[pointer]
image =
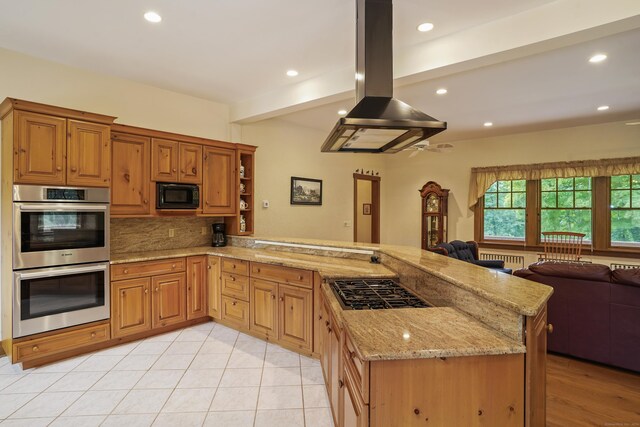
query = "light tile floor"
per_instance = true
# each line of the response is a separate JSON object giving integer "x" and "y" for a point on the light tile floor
{"x": 207, "y": 375}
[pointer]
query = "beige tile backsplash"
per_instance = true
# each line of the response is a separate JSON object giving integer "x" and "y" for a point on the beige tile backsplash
{"x": 143, "y": 234}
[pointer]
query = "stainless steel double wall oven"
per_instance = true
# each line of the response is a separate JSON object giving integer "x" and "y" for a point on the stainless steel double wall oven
{"x": 60, "y": 257}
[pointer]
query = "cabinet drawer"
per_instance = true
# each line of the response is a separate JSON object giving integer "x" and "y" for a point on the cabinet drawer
{"x": 52, "y": 344}
{"x": 235, "y": 286}
{"x": 235, "y": 266}
{"x": 358, "y": 368}
{"x": 292, "y": 276}
{"x": 235, "y": 311}
{"x": 147, "y": 268}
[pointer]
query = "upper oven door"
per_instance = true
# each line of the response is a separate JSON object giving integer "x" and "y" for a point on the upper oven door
{"x": 48, "y": 234}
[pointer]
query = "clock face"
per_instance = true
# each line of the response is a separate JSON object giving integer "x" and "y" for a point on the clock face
{"x": 433, "y": 204}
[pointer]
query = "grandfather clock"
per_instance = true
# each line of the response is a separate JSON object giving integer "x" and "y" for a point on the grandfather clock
{"x": 434, "y": 214}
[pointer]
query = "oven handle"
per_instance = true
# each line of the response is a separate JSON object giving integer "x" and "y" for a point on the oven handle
{"x": 60, "y": 272}
{"x": 49, "y": 208}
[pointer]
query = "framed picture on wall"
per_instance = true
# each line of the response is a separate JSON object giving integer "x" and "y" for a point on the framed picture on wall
{"x": 366, "y": 209}
{"x": 306, "y": 191}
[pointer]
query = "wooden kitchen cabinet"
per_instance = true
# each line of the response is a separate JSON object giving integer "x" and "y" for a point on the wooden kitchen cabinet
{"x": 235, "y": 312}
{"x": 88, "y": 154}
{"x": 190, "y": 170}
{"x": 536, "y": 369}
{"x": 168, "y": 299}
{"x": 130, "y": 175}
{"x": 39, "y": 149}
{"x": 335, "y": 369}
{"x": 295, "y": 309}
{"x": 164, "y": 160}
{"x": 355, "y": 413}
{"x": 264, "y": 308}
{"x": 196, "y": 287}
{"x": 219, "y": 192}
{"x": 130, "y": 307}
{"x": 213, "y": 285}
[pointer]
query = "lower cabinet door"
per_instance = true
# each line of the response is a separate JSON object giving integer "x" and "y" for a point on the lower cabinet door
{"x": 213, "y": 285}
{"x": 235, "y": 311}
{"x": 264, "y": 308}
{"x": 169, "y": 305}
{"x": 354, "y": 412}
{"x": 295, "y": 316}
{"x": 196, "y": 287}
{"x": 130, "y": 307}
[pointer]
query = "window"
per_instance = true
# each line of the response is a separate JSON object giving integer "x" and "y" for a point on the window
{"x": 625, "y": 210}
{"x": 565, "y": 205}
{"x": 505, "y": 205}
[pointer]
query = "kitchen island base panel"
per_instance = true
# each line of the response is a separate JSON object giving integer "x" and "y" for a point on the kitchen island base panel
{"x": 460, "y": 391}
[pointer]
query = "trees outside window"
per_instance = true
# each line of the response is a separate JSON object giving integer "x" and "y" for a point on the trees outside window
{"x": 504, "y": 210}
{"x": 566, "y": 205}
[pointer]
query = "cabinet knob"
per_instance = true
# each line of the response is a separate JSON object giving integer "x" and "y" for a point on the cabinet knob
{"x": 340, "y": 383}
{"x": 145, "y": 201}
{"x": 93, "y": 334}
{"x": 194, "y": 171}
{"x": 273, "y": 297}
{"x": 208, "y": 267}
{"x": 281, "y": 299}
{"x": 73, "y": 169}
{"x": 59, "y": 168}
{"x": 550, "y": 328}
{"x": 126, "y": 271}
{"x": 173, "y": 266}
{"x": 146, "y": 291}
{"x": 299, "y": 277}
{"x": 258, "y": 270}
{"x": 157, "y": 289}
{"x": 233, "y": 279}
{"x": 174, "y": 170}
{"x": 233, "y": 265}
{"x": 35, "y": 348}
{"x": 234, "y": 303}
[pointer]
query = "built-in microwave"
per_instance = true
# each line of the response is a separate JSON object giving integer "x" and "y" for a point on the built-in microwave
{"x": 177, "y": 196}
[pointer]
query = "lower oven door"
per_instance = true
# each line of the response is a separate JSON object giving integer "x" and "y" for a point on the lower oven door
{"x": 46, "y": 299}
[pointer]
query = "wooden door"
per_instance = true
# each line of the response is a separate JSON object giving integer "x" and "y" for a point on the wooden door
{"x": 164, "y": 160}
{"x": 213, "y": 283}
{"x": 219, "y": 193}
{"x": 295, "y": 316}
{"x": 335, "y": 369}
{"x": 88, "y": 154}
{"x": 130, "y": 176}
{"x": 39, "y": 149}
{"x": 354, "y": 411}
{"x": 130, "y": 307}
{"x": 169, "y": 305}
{"x": 325, "y": 344}
{"x": 235, "y": 312}
{"x": 190, "y": 163}
{"x": 536, "y": 370}
{"x": 196, "y": 287}
{"x": 264, "y": 308}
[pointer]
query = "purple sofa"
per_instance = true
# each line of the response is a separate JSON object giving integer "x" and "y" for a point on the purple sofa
{"x": 595, "y": 312}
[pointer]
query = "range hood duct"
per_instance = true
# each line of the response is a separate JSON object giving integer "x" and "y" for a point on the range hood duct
{"x": 379, "y": 122}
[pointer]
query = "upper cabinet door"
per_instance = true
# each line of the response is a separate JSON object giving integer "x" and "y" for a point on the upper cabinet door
{"x": 130, "y": 181}
{"x": 219, "y": 181}
{"x": 39, "y": 149}
{"x": 190, "y": 163}
{"x": 164, "y": 160}
{"x": 88, "y": 154}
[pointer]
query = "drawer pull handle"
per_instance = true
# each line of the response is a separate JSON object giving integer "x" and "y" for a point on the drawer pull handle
{"x": 145, "y": 201}
{"x": 281, "y": 299}
{"x": 233, "y": 279}
{"x": 74, "y": 169}
{"x": 59, "y": 168}
{"x": 234, "y": 303}
{"x": 173, "y": 266}
{"x": 93, "y": 334}
{"x": 35, "y": 348}
{"x": 157, "y": 289}
{"x": 299, "y": 277}
{"x": 126, "y": 271}
{"x": 208, "y": 267}
{"x": 273, "y": 297}
{"x": 174, "y": 169}
{"x": 340, "y": 383}
{"x": 550, "y": 328}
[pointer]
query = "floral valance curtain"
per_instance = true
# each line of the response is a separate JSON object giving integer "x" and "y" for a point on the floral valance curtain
{"x": 482, "y": 178}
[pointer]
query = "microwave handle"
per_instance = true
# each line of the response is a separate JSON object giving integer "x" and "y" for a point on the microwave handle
{"x": 50, "y": 208}
{"x": 59, "y": 272}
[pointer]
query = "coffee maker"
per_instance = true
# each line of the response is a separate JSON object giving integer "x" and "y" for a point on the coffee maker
{"x": 219, "y": 235}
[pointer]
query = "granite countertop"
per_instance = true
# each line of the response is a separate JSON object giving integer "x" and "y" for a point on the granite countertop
{"x": 419, "y": 333}
{"x": 328, "y": 267}
{"x": 517, "y": 294}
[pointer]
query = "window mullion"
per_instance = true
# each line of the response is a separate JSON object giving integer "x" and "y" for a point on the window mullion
{"x": 532, "y": 217}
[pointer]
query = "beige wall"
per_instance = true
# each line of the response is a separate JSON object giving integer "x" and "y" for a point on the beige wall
{"x": 137, "y": 104}
{"x": 287, "y": 150}
{"x": 363, "y": 225}
{"x": 453, "y": 170}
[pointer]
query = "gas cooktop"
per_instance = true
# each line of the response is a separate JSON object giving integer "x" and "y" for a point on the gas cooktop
{"x": 374, "y": 294}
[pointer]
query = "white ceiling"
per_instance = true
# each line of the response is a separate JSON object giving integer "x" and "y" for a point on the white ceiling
{"x": 237, "y": 52}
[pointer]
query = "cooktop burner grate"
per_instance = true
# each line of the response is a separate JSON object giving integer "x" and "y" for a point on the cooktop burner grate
{"x": 374, "y": 294}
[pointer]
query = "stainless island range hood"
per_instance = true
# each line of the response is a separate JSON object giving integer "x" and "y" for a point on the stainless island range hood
{"x": 378, "y": 123}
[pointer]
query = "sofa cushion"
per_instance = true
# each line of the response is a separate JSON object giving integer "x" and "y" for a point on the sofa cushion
{"x": 595, "y": 272}
{"x": 451, "y": 251}
{"x": 463, "y": 250}
{"x": 626, "y": 276}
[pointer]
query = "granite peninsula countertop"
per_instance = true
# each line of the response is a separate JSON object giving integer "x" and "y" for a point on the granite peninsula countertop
{"x": 419, "y": 333}
{"x": 328, "y": 267}
{"x": 514, "y": 293}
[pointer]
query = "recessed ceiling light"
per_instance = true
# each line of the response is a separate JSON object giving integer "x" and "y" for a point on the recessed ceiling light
{"x": 152, "y": 16}
{"x": 427, "y": 26}
{"x": 292, "y": 73}
{"x": 441, "y": 91}
{"x": 342, "y": 112}
{"x": 488, "y": 124}
{"x": 603, "y": 108}
{"x": 598, "y": 58}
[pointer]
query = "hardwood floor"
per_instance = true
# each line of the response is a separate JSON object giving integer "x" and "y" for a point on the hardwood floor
{"x": 586, "y": 394}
